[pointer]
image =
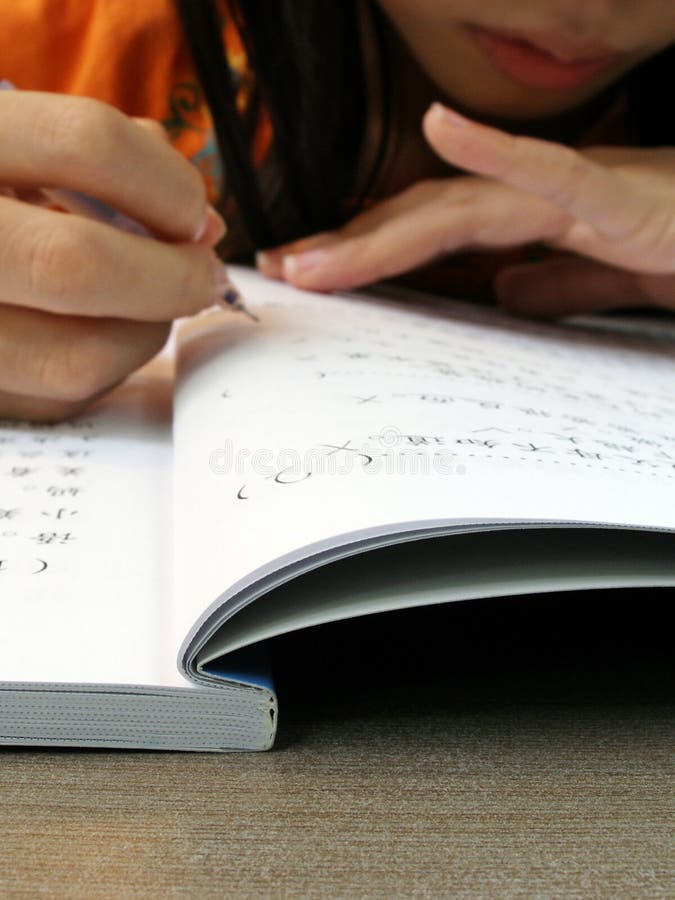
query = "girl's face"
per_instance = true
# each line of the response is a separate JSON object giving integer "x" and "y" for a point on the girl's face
{"x": 530, "y": 58}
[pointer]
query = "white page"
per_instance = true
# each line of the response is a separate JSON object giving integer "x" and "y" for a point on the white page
{"x": 341, "y": 415}
{"x": 85, "y": 576}
{"x": 453, "y": 568}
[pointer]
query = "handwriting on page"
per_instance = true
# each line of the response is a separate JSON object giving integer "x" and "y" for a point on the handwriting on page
{"x": 345, "y": 458}
{"x": 450, "y": 389}
{"x": 43, "y": 478}
{"x": 341, "y": 420}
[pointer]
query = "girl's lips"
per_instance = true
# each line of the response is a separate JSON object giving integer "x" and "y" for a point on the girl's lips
{"x": 548, "y": 62}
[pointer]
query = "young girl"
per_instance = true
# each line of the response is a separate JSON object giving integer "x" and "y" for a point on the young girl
{"x": 330, "y": 137}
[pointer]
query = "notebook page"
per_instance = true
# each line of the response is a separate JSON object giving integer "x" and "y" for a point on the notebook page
{"x": 340, "y": 415}
{"x": 85, "y": 541}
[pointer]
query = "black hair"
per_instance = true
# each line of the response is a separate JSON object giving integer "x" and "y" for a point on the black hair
{"x": 306, "y": 55}
{"x": 307, "y": 60}
{"x": 651, "y": 96}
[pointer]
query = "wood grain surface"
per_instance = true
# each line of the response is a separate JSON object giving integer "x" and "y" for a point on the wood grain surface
{"x": 519, "y": 751}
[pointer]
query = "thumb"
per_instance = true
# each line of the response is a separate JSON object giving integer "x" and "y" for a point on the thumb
{"x": 567, "y": 286}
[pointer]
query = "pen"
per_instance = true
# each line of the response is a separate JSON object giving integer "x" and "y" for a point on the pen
{"x": 84, "y": 205}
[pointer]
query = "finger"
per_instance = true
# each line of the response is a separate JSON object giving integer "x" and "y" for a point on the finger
{"x": 654, "y": 253}
{"x": 70, "y": 360}
{"x": 567, "y": 286}
{"x": 270, "y": 261}
{"x": 659, "y": 288}
{"x": 428, "y": 220}
{"x": 215, "y": 228}
{"x": 397, "y": 235}
{"x": 652, "y": 159}
{"x": 37, "y": 409}
{"x": 599, "y": 196}
{"x": 153, "y": 127}
{"x": 85, "y": 145}
{"x": 75, "y": 266}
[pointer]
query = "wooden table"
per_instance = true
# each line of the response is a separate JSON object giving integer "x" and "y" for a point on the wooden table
{"x": 524, "y": 751}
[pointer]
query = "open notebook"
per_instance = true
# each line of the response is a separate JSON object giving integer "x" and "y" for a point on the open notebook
{"x": 348, "y": 455}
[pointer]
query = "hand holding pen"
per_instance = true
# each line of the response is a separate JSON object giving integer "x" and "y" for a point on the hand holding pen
{"x": 83, "y": 304}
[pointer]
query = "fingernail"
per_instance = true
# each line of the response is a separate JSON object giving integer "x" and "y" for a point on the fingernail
{"x": 267, "y": 264}
{"x": 299, "y": 263}
{"x": 212, "y": 228}
{"x": 216, "y": 227}
{"x": 449, "y": 116}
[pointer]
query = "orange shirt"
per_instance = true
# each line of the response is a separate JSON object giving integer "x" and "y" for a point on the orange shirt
{"x": 132, "y": 55}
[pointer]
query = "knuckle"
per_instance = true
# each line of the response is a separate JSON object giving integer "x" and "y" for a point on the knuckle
{"x": 73, "y": 371}
{"x": 460, "y": 192}
{"x": 516, "y": 154}
{"x": 458, "y": 206}
{"x": 58, "y": 264}
{"x": 426, "y": 189}
{"x": 81, "y": 132}
{"x": 571, "y": 161}
{"x": 573, "y": 169}
{"x": 654, "y": 230}
{"x": 425, "y": 194}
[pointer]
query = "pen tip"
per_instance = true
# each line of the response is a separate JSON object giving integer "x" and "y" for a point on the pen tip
{"x": 232, "y": 300}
